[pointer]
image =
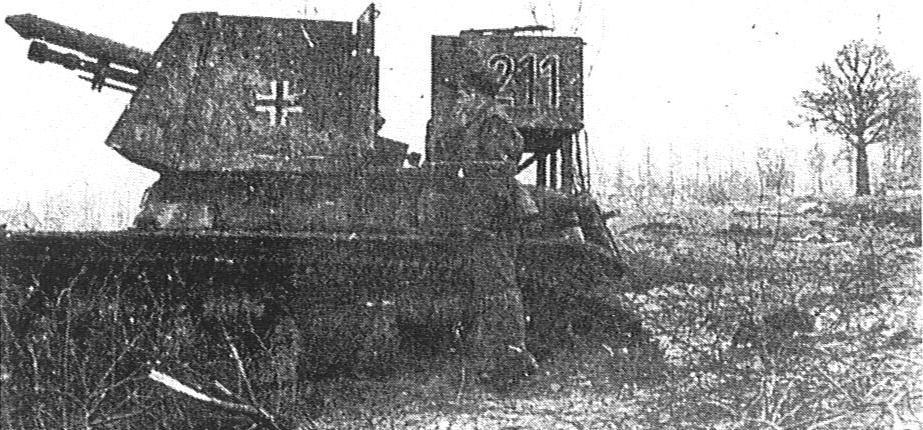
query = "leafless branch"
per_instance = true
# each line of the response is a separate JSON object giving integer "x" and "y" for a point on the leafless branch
{"x": 241, "y": 373}
{"x": 258, "y": 415}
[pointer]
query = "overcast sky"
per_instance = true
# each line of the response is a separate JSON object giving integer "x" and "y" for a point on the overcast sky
{"x": 704, "y": 77}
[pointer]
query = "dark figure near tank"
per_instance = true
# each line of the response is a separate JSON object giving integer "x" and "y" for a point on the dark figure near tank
{"x": 276, "y": 186}
{"x": 482, "y": 128}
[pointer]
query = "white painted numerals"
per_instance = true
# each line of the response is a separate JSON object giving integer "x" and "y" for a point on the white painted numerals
{"x": 528, "y": 81}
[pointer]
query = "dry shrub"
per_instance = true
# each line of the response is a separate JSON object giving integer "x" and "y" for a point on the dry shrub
{"x": 857, "y": 367}
{"x": 78, "y": 356}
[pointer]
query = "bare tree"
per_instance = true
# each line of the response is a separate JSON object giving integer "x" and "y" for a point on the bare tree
{"x": 774, "y": 174}
{"x": 861, "y": 100}
{"x": 902, "y": 149}
{"x": 817, "y": 158}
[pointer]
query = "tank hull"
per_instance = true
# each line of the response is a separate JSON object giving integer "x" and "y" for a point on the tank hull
{"x": 359, "y": 303}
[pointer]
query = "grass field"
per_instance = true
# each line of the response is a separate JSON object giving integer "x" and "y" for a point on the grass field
{"x": 704, "y": 273}
{"x": 707, "y": 282}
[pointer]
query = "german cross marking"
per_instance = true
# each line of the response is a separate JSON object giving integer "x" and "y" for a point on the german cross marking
{"x": 278, "y": 103}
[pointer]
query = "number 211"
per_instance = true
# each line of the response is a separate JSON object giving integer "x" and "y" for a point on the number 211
{"x": 534, "y": 70}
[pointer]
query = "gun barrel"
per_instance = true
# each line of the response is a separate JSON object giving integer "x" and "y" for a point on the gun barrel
{"x": 40, "y": 53}
{"x": 32, "y": 27}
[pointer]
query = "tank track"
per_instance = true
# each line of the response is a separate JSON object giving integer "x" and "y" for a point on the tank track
{"x": 359, "y": 301}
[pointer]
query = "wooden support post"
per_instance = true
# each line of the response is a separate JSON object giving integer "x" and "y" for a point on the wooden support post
{"x": 541, "y": 170}
{"x": 578, "y": 158}
{"x": 567, "y": 165}
{"x": 553, "y": 169}
{"x": 525, "y": 164}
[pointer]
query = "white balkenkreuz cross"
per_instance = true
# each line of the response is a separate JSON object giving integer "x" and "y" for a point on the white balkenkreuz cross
{"x": 278, "y": 103}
